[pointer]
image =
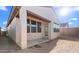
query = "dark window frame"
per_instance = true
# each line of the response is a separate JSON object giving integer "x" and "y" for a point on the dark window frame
{"x": 33, "y": 26}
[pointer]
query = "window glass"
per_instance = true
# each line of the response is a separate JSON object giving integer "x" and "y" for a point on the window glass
{"x": 28, "y": 21}
{"x": 56, "y": 27}
{"x": 33, "y": 26}
{"x": 28, "y": 25}
{"x": 39, "y": 26}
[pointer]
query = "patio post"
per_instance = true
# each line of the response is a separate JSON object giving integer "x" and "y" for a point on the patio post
{"x": 23, "y": 24}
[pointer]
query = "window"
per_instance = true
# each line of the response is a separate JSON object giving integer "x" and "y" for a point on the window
{"x": 28, "y": 21}
{"x": 38, "y": 26}
{"x": 56, "y": 27}
{"x": 28, "y": 25}
{"x": 33, "y": 26}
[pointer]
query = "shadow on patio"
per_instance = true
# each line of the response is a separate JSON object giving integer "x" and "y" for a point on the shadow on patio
{"x": 41, "y": 48}
{"x": 6, "y": 44}
{"x": 70, "y": 38}
{"x": 62, "y": 44}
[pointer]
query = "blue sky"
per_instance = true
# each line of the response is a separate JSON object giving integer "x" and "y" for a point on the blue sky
{"x": 4, "y": 14}
{"x": 64, "y": 13}
{"x": 68, "y": 14}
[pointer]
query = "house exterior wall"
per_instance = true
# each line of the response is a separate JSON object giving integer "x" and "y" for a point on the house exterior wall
{"x": 18, "y": 28}
{"x": 23, "y": 28}
{"x": 36, "y": 35}
{"x": 50, "y": 15}
{"x": 18, "y": 32}
{"x": 12, "y": 29}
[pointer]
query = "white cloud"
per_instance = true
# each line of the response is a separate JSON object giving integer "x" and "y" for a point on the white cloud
{"x": 76, "y": 8}
{"x": 5, "y": 22}
{"x": 3, "y": 29}
{"x": 70, "y": 23}
{"x": 74, "y": 19}
{"x": 3, "y": 8}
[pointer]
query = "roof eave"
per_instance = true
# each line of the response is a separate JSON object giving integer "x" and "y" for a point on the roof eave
{"x": 12, "y": 14}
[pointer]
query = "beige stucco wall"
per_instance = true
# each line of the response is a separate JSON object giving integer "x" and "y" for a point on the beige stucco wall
{"x": 12, "y": 29}
{"x": 43, "y": 11}
{"x": 48, "y": 13}
{"x": 18, "y": 32}
{"x": 18, "y": 28}
{"x": 23, "y": 28}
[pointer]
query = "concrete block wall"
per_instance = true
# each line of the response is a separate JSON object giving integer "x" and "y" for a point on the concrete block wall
{"x": 69, "y": 31}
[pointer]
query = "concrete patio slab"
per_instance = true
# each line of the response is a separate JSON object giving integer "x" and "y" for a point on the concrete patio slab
{"x": 64, "y": 44}
{"x": 7, "y": 44}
